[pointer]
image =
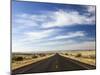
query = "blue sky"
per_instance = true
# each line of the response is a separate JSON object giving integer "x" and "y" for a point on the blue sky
{"x": 48, "y": 26}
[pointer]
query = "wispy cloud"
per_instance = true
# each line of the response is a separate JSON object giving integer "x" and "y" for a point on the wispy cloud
{"x": 39, "y": 35}
{"x": 50, "y": 31}
{"x": 58, "y": 18}
{"x": 64, "y": 18}
{"x": 71, "y": 35}
{"x": 91, "y": 9}
{"x": 50, "y": 46}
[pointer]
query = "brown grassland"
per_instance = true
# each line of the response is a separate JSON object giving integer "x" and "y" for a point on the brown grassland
{"x": 85, "y": 56}
{"x": 22, "y": 59}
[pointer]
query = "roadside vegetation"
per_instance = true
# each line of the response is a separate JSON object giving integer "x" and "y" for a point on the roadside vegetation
{"x": 22, "y": 59}
{"x": 86, "y": 56}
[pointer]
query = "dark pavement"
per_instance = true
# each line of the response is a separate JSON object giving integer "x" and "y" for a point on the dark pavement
{"x": 55, "y": 63}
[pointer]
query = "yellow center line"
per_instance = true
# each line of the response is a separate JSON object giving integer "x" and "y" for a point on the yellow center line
{"x": 56, "y": 66}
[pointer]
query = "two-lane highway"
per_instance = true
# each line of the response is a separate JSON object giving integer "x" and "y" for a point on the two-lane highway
{"x": 53, "y": 64}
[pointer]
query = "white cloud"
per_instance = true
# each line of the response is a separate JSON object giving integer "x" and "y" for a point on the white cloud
{"x": 58, "y": 45}
{"x": 32, "y": 40}
{"x": 71, "y": 35}
{"x": 91, "y": 9}
{"x": 58, "y": 18}
{"x": 35, "y": 41}
{"x": 25, "y": 20}
{"x": 64, "y": 18}
{"x": 36, "y": 37}
{"x": 39, "y": 35}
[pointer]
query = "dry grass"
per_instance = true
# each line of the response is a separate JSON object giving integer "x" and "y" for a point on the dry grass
{"x": 88, "y": 56}
{"x": 20, "y": 60}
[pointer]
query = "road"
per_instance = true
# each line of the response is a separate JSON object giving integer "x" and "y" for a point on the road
{"x": 55, "y": 63}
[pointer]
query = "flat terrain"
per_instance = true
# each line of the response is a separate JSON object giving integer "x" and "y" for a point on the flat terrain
{"x": 23, "y": 59}
{"x": 85, "y": 56}
{"x": 53, "y": 64}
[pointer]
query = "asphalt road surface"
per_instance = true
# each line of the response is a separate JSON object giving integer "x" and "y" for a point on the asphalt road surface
{"x": 55, "y": 63}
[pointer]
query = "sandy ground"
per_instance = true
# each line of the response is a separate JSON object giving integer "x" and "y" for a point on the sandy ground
{"x": 81, "y": 59}
{"x": 71, "y": 54}
{"x": 19, "y": 64}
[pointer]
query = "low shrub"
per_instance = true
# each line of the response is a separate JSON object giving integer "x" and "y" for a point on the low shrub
{"x": 34, "y": 56}
{"x": 66, "y": 53}
{"x": 78, "y": 55}
{"x": 17, "y": 58}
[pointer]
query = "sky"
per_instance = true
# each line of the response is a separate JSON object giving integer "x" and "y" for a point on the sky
{"x": 40, "y": 27}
